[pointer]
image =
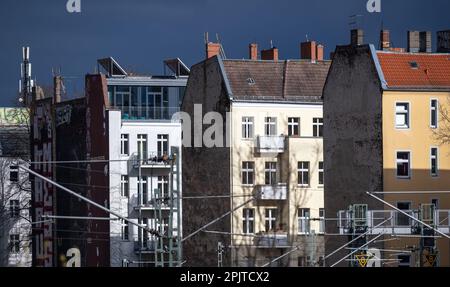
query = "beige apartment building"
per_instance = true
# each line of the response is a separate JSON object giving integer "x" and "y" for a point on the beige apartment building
{"x": 268, "y": 180}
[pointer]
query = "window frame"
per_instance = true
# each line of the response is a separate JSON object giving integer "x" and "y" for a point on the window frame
{"x": 408, "y": 116}
{"x": 270, "y": 219}
{"x": 248, "y": 219}
{"x": 248, "y": 128}
{"x": 268, "y": 125}
{"x": 14, "y": 174}
{"x": 246, "y": 170}
{"x": 14, "y": 244}
{"x": 318, "y": 127}
{"x": 321, "y": 171}
{"x": 14, "y": 208}
{"x": 305, "y": 219}
{"x": 125, "y": 144}
{"x": 125, "y": 185}
{"x": 270, "y": 173}
{"x": 162, "y": 144}
{"x": 292, "y": 125}
{"x": 124, "y": 230}
{"x": 301, "y": 170}
{"x": 322, "y": 221}
{"x": 436, "y": 109}
{"x": 409, "y": 164}
{"x": 436, "y": 158}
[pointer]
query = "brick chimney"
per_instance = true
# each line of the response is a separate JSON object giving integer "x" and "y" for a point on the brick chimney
{"x": 357, "y": 37}
{"x": 443, "y": 41}
{"x": 319, "y": 53}
{"x": 212, "y": 49}
{"x": 385, "y": 42}
{"x": 57, "y": 87}
{"x": 308, "y": 50}
{"x": 253, "y": 51}
{"x": 413, "y": 41}
{"x": 270, "y": 54}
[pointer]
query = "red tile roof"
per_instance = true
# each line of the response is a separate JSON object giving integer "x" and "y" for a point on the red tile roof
{"x": 432, "y": 72}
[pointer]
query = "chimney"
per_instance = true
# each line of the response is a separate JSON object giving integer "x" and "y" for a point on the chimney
{"x": 57, "y": 86}
{"x": 308, "y": 50}
{"x": 212, "y": 49}
{"x": 270, "y": 54}
{"x": 443, "y": 41}
{"x": 413, "y": 41}
{"x": 319, "y": 53}
{"x": 253, "y": 51}
{"x": 357, "y": 37}
{"x": 425, "y": 42}
{"x": 385, "y": 42}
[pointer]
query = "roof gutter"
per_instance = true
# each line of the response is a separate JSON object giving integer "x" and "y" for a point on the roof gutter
{"x": 376, "y": 61}
{"x": 225, "y": 77}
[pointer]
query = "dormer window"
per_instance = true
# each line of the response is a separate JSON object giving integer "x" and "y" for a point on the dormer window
{"x": 251, "y": 81}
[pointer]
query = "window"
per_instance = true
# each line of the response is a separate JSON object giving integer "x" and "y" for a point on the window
{"x": 14, "y": 208}
{"x": 404, "y": 260}
{"x": 248, "y": 173}
{"x": 163, "y": 145}
{"x": 271, "y": 173}
{"x": 163, "y": 187}
{"x": 124, "y": 229}
{"x": 14, "y": 243}
{"x": 321, "y": 173}
{"x": 142, "y": 190}
{"x": 322, "y": 221}
{"x": 434, "y": 162}
{"x": 124, "y": 149}
{"x": 14, "y": 173}
{"x": 435, "y": 202}
{"x": 403, "y": 220}
{"x": 303, "y": 221}
{"x": 402, "y": 116}
{"x": 318, "y": 127}
{"x": 294, "y": 127}
{"x": 303, "y": 173}
{"x": 271, "y": 219}
{"x": 270, "y": 126}
{"x": 142, "y": 146}
{"x": 248, "y": 220}
{"x": 247, "y": 127}
{"x": 403, "y": 165}
{"x": 124, "y": 186}
{"x": 434, "y": 114}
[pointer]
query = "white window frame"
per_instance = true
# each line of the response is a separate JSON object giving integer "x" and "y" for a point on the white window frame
{"x": 247, "y": 128}
{"x": 317, "y": 126}
{"x": 14, "y": 208}
{"x": 124, "y": 144}
{"x": 245, "y": 173}
{"x": 143, "y": 181}
{"x": 409, "y": 165}
{"x": 270, "y": 219}
{"x": 292, "y": 125}
{"x": 408, "y": 116}
{"x": 270, "y": 169}
{"x": 270, "y": 126}
{"x": 320, "y": 170}
{"x": 301, "y": 217}
{"x": 163, "y": 186}
{"x": 124, "y": 186}
{"x": 142, "y": 146}
{"x": 124, "y": 230}
{"x": 162, "y": 139}
{"x": 248, "y": 219}
{"x": 436, "y": 109}
{"x": 322, "y": 221}
{"x": 436, "y": 158}
{"x": 302, "y": 170}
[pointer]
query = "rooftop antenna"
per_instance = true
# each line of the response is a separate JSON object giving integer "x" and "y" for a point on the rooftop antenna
{"x": 307, "y": 38}
{"x": 222, "y": 51}
{"x": 271, "y": 44}
{"x": 26, "y": 83}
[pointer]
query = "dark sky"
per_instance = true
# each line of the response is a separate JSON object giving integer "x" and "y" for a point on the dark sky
{"x": 141, "y": 33}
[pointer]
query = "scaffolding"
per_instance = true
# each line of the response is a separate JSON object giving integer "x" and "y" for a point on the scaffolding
{"x": 165, "y": 209}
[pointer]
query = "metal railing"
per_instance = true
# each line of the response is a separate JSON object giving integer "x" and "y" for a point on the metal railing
{"x": 270, "y": 144}
{"x": 272, "y": 192}
{"x": 147, "y": 113}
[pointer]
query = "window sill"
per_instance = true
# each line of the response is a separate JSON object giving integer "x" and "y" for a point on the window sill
{"x": 303, "y": 185}
{"x": 248, "y": 185}
{"x": 403, "y": 177}
{"x": 402, "y": 128}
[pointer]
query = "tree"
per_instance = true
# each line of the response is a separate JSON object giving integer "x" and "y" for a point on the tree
{"x": 442, "y": 134}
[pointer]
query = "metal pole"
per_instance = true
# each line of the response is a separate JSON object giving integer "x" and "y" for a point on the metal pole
{"x": 282, "y": 256}
{"x": 89, "y": 201}
{"x": 353, "y": 252}
{"x": 78, "y": 217}
{"x": 217, "y": 219}
{"x": 406, "y": 214}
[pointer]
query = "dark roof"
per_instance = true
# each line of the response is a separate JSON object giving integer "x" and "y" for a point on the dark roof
{"x": 275, "y": 81}
{"x": 415, "y": 70}
{"x": 14, "y": 142}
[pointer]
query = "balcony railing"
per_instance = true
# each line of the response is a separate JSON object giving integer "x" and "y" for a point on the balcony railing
{"x": 398, "y": 222}
{"x": 270, "y": 144}
{"x": 272, "y": 192}
{"x": 272, "y": 240}
{"x": 152, "y": 160}
{"x": 147, "y": 113}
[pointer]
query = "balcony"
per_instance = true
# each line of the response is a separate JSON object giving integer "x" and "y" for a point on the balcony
{"x": 272, "y": 240}
{"x": 272, "y": 192}
{"x": 270, "y": 144}
{"x": 149, "y": 161}
{"x": 147, "y": 113}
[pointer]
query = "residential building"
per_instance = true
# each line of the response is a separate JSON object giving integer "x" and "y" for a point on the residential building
{"x": 15, "y": 196}
{"x": 120, "y": 132}
{"x": 268, "y": 171}
{"x": 382, "y": 112}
